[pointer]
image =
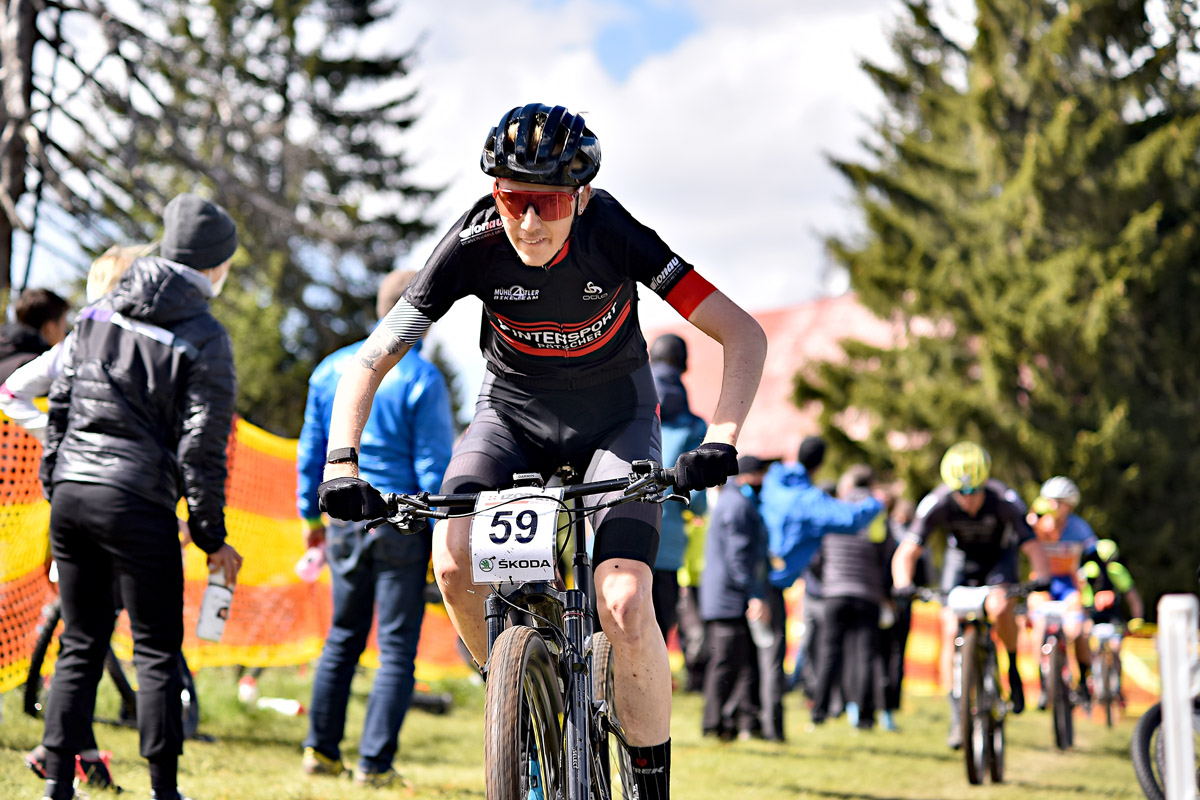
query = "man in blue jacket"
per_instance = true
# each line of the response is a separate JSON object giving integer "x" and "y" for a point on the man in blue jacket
{"x": 681, "y": 431}
{"x": 797, "y": 514}
{"x": 405, "y": 448}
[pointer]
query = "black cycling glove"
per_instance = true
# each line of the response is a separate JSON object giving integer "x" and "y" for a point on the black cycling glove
{"x": 708, "y": 465}
{"x": 1039, "y": 585}
{"x": 904, "y": 593}
{"x": 351, "y": 500}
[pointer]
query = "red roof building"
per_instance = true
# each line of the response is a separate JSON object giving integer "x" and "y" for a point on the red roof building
{"x": 796, "y": 337}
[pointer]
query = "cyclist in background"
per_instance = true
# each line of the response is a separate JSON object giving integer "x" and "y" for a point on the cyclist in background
{"x": 556, "y": 264}
{"x": 985, "y": 528}
{"x": 1105, "y": 582}
{"x": 1066, "y": 538}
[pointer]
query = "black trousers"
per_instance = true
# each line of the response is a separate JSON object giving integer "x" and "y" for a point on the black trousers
{"x": 770, "y": 662}
{"x": 665, "y": 595}
{"x": 892, "y": 642}
{"x": 98, "y": 534}
{"x": 692, "y": 637}
{"x": 730, "y": 696}
{"x": 850, "y": 632}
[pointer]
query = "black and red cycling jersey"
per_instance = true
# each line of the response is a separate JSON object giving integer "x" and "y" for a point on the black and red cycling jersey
{"x": 985, "y": 539}
{"x": 569, "y": 325}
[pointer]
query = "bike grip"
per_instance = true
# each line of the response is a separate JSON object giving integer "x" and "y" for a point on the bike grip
{"x": 668, "y": 476}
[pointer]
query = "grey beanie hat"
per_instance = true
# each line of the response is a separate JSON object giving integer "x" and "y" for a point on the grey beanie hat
{"x": 197, "y": 233}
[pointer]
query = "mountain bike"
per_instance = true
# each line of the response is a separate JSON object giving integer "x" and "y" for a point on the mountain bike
{"x": 1056, "y": 673}
{"x": 1106, "y": 667}
{"x": 976, "y": 679}
{"x": 551, "y": 728}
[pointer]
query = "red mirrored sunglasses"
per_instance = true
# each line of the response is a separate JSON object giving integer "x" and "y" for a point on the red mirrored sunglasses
{"x": 550, "y": 206}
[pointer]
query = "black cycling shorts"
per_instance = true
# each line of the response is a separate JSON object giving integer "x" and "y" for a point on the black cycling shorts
{"x": 958, "y": 570}
{"x": 598, "y": 432}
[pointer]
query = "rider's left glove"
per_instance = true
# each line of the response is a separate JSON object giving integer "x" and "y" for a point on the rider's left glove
{"x": 708, "y": 465}
{"x": 351, "y": 500}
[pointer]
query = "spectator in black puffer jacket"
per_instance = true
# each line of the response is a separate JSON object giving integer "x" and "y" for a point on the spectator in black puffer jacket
{"x": 140, "y": 415}
{"x": 855, "y": 582}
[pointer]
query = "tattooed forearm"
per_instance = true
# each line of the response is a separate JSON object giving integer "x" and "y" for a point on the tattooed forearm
{"x": 379, "y": 346}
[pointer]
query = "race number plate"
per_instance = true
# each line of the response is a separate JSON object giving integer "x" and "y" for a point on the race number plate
{"x": 513, "y": 535}
{"x": 967, "y": 600}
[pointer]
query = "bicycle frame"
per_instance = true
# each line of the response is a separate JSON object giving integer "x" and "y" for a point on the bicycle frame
{"x": 547, "y": 602}
{"x": 562, "y": 618}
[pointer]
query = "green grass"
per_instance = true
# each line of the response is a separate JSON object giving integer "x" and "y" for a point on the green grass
{"x": 256, "y": 753}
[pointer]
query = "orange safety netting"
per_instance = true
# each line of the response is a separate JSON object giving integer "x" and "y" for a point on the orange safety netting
{"x": 278, "y": 620}
{"x": 275, "y": 619}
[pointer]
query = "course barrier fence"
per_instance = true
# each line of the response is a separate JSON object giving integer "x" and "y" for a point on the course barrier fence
{"x": 278, "y": 620}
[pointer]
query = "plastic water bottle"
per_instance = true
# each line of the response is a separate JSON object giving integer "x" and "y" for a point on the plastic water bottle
{"x": 308, "y": 568}
{"x": 284, "y": 705}
{"x": 214, "y": 608}
{"x": 762, "y": 633}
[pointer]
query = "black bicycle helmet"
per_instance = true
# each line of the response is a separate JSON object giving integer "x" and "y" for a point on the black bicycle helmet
{"x": 566, "y": 153}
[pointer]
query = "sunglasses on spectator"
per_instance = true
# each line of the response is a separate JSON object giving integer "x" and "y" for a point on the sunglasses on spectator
{"x": 549, "y": 206}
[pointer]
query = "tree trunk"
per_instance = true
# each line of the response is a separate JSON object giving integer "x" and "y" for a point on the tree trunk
{"x": 18, "y": 33}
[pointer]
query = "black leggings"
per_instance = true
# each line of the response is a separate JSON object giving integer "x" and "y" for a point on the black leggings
{"x": 98, "y": 534}
{"x": 597, "y": 431}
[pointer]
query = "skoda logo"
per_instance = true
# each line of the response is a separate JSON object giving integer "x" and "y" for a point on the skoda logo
{"x": 486, "y": 564}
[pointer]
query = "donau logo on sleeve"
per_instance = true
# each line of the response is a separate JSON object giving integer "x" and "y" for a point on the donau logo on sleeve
{"x": 515, "y": 293}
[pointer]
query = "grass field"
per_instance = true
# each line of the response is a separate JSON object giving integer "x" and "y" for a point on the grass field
{"x": 256, "y": 753}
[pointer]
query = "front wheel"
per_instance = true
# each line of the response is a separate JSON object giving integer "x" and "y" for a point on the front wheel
{"x": 1143, "y": 752}
{"x": 1060, "y": 698}
{"x": 523, "y": 711}
{"x": 615, "y": 768}
{"x": 972, "y": 712}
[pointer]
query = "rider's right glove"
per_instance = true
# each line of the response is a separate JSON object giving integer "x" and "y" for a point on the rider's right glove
{"x": 351, "y": 500}
{"x": 708, "y": 465}
{"x": 1039, "y": 585}
{"x": 904, "y": 592}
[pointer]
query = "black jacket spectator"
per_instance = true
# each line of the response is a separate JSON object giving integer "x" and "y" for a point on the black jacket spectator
{"x": 128, "y": 427}
{"x": 19, "y": 344}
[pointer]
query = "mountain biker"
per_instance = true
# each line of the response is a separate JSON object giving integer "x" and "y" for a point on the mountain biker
{"x": 1105, "y": 581}
{"x": 1066, "y": 538}
{"x": 985, "y": 528}
{"x": 556, "y": 264}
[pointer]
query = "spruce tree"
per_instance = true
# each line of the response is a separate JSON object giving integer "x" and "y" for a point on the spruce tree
{"x": 278, "y": 112}
{"x": 1030, "y": 205}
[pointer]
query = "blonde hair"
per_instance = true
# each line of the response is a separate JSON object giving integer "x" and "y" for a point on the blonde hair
{"x": 110, "y": 265}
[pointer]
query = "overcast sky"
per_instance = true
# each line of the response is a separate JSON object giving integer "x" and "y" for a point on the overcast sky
{"x": 715, "y": 118}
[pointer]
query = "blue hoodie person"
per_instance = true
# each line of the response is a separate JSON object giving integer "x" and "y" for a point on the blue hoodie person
{"x": 797, "y": 514}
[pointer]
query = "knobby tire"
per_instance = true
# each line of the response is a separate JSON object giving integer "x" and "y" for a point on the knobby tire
{"x": 1060, "y": 698}
{"x": 616, "y": 770}
{"x": 1108, "y": 682}
{"x": 972, "y": 711}
{"x": 995, "y": 721}
{"x": 1142, "y": 750}
{"x": 523, "y": 712}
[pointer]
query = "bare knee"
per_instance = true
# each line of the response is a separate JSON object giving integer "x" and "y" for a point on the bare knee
{"x": 624, "y": 601}
{"x": 451, "y": 561}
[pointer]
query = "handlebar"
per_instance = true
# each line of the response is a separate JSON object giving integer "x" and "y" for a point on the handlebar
{"x": 924, "y": 593}
{"x": 644, "y": 483}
